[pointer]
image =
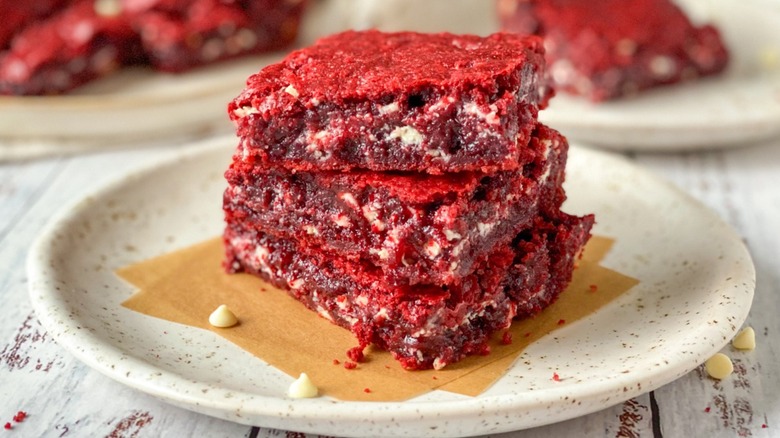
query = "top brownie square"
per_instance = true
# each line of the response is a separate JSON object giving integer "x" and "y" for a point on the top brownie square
{"x": 395, "y": 101}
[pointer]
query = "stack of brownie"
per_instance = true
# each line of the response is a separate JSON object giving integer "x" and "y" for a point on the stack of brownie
{"x": 400, "y": 186}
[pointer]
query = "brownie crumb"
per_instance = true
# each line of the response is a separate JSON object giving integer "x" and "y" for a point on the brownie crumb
{"x": 356, "y": 354}
{"x": 506, "y": 339}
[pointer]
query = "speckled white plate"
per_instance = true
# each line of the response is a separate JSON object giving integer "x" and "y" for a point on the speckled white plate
{"x": 697, "y": 283}
{"x": 736, "y": 108}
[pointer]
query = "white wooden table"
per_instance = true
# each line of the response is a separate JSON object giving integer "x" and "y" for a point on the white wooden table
{"x": 64, "y": 398}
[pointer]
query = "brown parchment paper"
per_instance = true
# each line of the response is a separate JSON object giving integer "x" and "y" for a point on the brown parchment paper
{"x": 187, "y": 285}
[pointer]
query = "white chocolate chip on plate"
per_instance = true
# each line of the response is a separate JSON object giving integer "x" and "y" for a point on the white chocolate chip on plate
{"x": 303, "y": 388}
{"x": 719, "y": 366}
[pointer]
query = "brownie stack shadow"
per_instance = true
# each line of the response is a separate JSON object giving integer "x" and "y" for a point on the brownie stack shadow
{"x": 416, "y": 204}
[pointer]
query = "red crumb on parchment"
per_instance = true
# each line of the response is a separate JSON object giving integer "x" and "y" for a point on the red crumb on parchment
{"x": 20, "y": 416}
{"x": 350, "y": 365}
{"x": 367, "y": 390}
{"x": 556, "y": 377}
{"x": 593, "y": 288}
{"x": 356, "y": 354}
{"x": 506, "y": 339}
{"x": 561, "y": 321}
{"x": 336, "y": 361}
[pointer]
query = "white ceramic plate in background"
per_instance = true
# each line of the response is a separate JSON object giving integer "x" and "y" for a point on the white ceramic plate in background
{"x": 133, "y": 106}
{"x": 737, "y": 108}
{"x": 697, "y": 283}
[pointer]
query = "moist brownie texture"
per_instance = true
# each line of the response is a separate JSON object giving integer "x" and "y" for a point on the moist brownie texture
{"x": 58, "y": 45}
{"x": 423, "y": 326}
{"x": 602, "y": 49}
{"x": 400, "y": 101}
{"x": 417, "y": 228}
{"x": 400, "y": 186}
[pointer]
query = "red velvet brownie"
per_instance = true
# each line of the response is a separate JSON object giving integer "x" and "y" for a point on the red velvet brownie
{"x": 18, "y": 14}
{"x": 602, "y": 49}
{"x": 90, "y": 38}
{"x": 67, "y": 50}
{"x": 400, "y": 101}
{"x": 177, "y": 35}
{"x": 423, "y": 326}
{"x": 417, "y": 228}
{"x": 415, "y": 203}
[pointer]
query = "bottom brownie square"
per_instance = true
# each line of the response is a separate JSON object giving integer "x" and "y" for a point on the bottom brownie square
{"x": 422, "y": 326}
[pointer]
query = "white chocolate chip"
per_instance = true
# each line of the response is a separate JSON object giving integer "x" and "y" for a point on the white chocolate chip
{"x": 662, "y": 66}
{"x": 246, "y": 39}
{"x": 349, "y": 199}
{"x": 432, "y": 249}
{"x": 222, "y": 317}
{"x": 383, "y": 254}
{"x": 452, "y": 235}
{"x": 407, "y": 134}
{"x": 485, "y": 228}
{"x": 107, "y": 8}
{"x": 745, "y": 339}
{"x": 625, "y": 47}
{"x": 389, "y": 108}
{"x": 291, "y": 91}
{"x": 245, "y": 111}
{"x": 719, "y": 366}
{"x": 212, "y": 49}
{"x": 562, "y": 71}
{"x": 342, "y": 220}
{"x": 302, "y": 388}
